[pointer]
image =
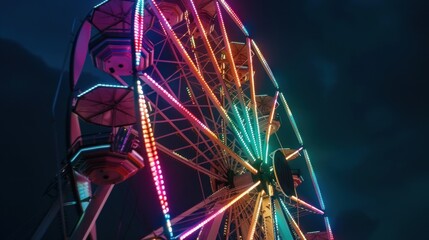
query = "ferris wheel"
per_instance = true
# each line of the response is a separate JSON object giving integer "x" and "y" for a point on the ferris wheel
{"x": 188, "y": 84}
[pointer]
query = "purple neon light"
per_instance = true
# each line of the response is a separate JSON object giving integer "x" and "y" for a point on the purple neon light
{"x": 234, "y": 17}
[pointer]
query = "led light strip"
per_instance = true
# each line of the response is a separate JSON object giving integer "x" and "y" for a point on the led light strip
{"x": 265, "y": 64}
{"x": 138, "y": 30}
{"x": 253, "y": 96}
{"x": 105, "y": 146}
{"x": 228, "y": 48}
{"x": 234, "y": 17}
{"x": 152, "y": 154}
{"x": 314, "y": 179}
{"x": 291, "y": 118}
{"x": 100, "y": 85}
{"x": 204, "y": 36}
{"x": 270, "y": 122}
{"x": 236, "y": 77}
{"x": 276, "y": 225}
{"x": 196, "y": 72}
{"x": 310, "y": 207}
{"x": 186, "y": 113}
{"x": 254, "y": 144}
{"x": 241, "y": 123}
{"x": 218, "y": 72}
{"x": 294, "y": 225}
{"x": 294, "y": 153}
{"x": 221, "y": 210}
{"x": 101, "y": 3}
{"x": 328, "y": 228}
{"x": 255, "y": 217}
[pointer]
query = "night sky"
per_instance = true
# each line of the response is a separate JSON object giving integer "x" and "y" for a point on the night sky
{"x": 354, "y": 73}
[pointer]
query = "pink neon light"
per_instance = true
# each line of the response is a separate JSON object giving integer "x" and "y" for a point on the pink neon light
{"x": 221, "y": 210}
{"x": 312, "y": 208}
{"x": 179, "y": 105}
{"x": 294, "y": 153}
{"x": 234, "y": 17}
{"x": 186, "y": 112}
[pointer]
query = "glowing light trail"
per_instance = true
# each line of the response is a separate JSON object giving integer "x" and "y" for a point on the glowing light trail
{"x": 221, "y": 210}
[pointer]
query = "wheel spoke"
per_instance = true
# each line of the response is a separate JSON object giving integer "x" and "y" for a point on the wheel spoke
{"x": 306, "y": 205}
{"x": 190, "y": 163}
{"x": 193, "y": 68}
{"x": 291, "y": 220}
{"x": 270, "y": 122}
{"x": 255, "y": 217}
{"x": 187, "y": 114}
{"x": 221, "y": 210}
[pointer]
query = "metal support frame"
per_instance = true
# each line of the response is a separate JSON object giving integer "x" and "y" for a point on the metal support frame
{"x": 89, "y": 217}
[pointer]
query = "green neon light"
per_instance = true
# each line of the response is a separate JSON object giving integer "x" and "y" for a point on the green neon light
{"x": 243, "y": 128}
{"x": 255, "y": 144}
